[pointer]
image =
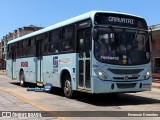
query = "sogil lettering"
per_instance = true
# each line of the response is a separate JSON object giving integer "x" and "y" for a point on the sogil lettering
{"x": 24, "y": 64}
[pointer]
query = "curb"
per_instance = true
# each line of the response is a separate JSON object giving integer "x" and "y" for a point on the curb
{"x": 155, "y": 86}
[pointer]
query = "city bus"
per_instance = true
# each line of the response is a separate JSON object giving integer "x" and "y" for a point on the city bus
{"x": 96, "y": 52}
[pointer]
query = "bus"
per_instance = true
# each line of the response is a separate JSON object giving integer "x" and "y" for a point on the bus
{"x": 96, "y": 52}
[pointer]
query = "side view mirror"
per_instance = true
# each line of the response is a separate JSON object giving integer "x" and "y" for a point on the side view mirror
{"x": 150, "y": 33}
{"x": 150, "y": 38}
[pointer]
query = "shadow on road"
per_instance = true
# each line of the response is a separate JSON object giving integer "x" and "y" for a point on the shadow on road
{"x": 121, "y": 99}
{"x": 26, "y": 86}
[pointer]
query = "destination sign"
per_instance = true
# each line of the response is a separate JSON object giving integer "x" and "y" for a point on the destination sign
{"x": 119, "y": 20}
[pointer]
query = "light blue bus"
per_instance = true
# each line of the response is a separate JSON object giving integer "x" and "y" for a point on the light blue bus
{"x": 96, "y": 52}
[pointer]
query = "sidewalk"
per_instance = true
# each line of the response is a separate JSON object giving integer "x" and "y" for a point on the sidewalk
{"x": 156, "y": 80}
{"x": 2, "y": 72}
{"x": 156, "y": 75}
{"x": 12, "y": 108}
{"x": 9, "y": 102}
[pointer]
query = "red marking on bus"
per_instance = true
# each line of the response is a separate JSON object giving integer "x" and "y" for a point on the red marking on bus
{"x": 146, "y": 85}
{"x": 24, "y": 64}
{"x": 135, "y": 75}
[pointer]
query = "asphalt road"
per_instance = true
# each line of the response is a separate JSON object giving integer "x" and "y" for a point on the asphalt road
{"x": 55, "y": 101}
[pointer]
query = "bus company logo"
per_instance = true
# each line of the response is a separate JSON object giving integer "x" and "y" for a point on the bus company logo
{"x": 65, "y": 60}
{"x": 55, "y": 62}
{"x": 126, "y": 78}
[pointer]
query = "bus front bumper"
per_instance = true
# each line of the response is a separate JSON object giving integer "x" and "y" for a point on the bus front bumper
{"x": 104, "y": 86}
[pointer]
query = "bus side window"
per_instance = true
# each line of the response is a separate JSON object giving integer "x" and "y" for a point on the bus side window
{"x": 54, "y": 41}
{"x": 68, "y": 38}
{"x": 21, "y": 48}
{"x": 46, "y": 44}
{"x": 31, "y": 47}
{"x": 9, "y": 51}
{"x": 25, "y": 45}
{"x": 17, "y": 50}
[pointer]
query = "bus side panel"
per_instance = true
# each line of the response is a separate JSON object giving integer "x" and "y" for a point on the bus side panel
{"x": 28, "y": 66}
{"x": 9, "y": 68}
{"x": 50, "y": 74}
{"x": 69, "y": 62}
{"x": 54, "y": 65}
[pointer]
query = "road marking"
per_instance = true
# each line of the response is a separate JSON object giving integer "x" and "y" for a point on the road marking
{"x": 35, "y": 104}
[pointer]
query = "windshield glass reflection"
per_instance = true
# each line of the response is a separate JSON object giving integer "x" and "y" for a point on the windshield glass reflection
{"x": 122, "y": 46}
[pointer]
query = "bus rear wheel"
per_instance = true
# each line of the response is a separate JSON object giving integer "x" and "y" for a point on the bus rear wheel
{"x": 67, "y": 87}
{"x": 22, "y": 80}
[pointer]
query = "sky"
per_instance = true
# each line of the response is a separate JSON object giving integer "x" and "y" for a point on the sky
{"x": 19, "y": 13}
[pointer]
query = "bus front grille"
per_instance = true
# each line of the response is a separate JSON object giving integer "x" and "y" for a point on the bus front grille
{"x": 123, "y": 79}
{"x": 125, "y": 71}
{"x": 128, "y": 85}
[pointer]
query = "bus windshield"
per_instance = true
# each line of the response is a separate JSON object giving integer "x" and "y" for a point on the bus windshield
{"x": 122, "y": 46}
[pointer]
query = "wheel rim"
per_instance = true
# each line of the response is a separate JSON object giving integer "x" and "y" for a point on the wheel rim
{"x": 22, "y": 80}
{"x": 67, "y": 88}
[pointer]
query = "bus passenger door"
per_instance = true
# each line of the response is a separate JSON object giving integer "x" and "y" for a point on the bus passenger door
{"x": 38, "y": 61}
{"x": 84, "y": 47}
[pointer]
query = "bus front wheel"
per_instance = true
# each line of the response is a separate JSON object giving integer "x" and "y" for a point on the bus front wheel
{"x": 67, "y": 87}
{"x": 22, "y": 80}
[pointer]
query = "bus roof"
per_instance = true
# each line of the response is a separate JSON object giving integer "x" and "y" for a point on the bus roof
{"x": 67, "y": 22}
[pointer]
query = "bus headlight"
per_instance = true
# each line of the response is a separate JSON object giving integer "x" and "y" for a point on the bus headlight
{"x": 146, "y": 75}
{"x": 102, "y": 75}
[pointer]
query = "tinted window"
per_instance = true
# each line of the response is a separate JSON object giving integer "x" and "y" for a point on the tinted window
{"x": 54, "y": 41}
{"x": 68, "y": 41}
{"x": 9, "y": 52}
{"x": 31, "y": 49}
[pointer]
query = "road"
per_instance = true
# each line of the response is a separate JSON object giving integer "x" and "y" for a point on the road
{"x": 55, "y": 101}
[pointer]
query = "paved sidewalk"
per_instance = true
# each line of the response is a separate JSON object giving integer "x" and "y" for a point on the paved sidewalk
{"x": 156, "y": 80}
{"x": 155, "y": 85}
{"x": 10, "y": 104}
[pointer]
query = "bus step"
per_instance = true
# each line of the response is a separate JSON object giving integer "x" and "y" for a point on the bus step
{"x": 40, "y": 84}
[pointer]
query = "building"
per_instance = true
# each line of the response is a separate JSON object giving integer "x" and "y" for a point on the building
{"x": 2, "y": 63}
{"x": 0, "y": 55}
{"x": 155, "y": 48}
{"x": 12, "y": 35}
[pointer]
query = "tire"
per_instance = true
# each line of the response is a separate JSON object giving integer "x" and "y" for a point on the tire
{"x": 67, "y": 87}
{"x": 22, "y": 79}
